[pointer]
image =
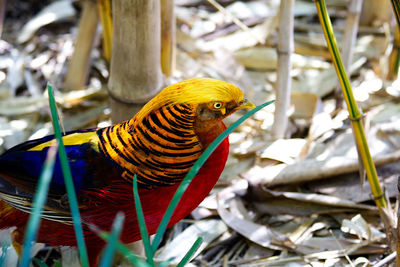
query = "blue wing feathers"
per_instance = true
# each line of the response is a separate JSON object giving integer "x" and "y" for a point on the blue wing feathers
{"x": 27, "y": 165}
{"x": 21, "y": 166}
{"x": 32, "y": 163}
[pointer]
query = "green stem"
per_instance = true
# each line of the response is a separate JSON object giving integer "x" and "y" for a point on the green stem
{"x": 354, "y": 113}
{"x": 69, "y": 184}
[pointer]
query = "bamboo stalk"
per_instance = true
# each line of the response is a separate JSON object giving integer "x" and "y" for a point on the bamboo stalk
{"x": 168, "y": 37}
{"x": 2, "y": 13}
{"x": 354, "y": 113}
{"x": 349, "y": 40}
{"x": 355, "y": 117}
{"x": 284, "y": 79}
{"x": 394, "y": 57}
{"x": 79, "y": 65}
{"x": 106, "y": 23}
{"x": 135, "y": 70}
{"x": 396, "y": 10}
{"x": 375, "y": 13}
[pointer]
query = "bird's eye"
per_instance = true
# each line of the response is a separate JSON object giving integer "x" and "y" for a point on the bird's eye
{"x": 217, "y": 105}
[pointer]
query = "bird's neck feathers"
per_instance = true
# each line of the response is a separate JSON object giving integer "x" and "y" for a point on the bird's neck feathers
{"x": 193, "y": 91}
{"x": 208, "y": 131}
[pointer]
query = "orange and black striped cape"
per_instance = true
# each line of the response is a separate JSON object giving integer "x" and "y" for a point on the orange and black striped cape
{"x": 160, "y": 149}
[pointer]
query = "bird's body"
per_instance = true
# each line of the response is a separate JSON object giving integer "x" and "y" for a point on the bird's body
{"x": 160, "y": 145}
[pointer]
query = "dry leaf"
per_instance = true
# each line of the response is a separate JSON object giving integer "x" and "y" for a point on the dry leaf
{"x": 265, "y": 58}
{"x": 22, "y": 105}
{"x": 284, "y": 150}
{"x": 257, "y": 233}
{"x": 179, "y": 246}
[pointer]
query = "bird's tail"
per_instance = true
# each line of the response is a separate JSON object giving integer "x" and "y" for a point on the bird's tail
{"x": 5, "y": 209}
{"x": 10, "y": 216}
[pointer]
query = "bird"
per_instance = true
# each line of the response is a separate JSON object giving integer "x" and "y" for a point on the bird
{"x": 159, "y": 145}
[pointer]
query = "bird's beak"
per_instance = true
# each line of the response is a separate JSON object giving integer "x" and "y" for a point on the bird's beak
{"x": 246, "y": 104}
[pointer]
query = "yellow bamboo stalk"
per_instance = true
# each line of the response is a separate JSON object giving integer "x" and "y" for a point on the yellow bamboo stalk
{"x": 168, "y": 39}
{"x": 394, "y": 57}
{"x": 394, "y": 61}
{"x": 104, "y": 7}
{"x": 354, "y": 114}
{"x": 349, "y": 40}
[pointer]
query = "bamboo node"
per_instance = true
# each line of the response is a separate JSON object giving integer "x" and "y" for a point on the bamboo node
{"x": 285, "y": 51}
{"x": 379, "y": 197}
{"x": 359, "y": 118}
{"x": 125, "y": 101}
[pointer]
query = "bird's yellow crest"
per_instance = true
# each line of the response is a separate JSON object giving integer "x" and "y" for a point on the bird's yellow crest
{"x": 193, "y": 91}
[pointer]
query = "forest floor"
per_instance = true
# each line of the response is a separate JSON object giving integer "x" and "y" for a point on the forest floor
{"x": 298, "y": 201}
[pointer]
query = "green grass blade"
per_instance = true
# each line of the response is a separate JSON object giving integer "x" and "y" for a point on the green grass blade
{"x": 108, "y": 255}
{"x": 190, "y": 253}
{"x": 4, "y": 246}
{"x": 40, "y": 263}
{"x": 137, "y": 262}
{"x": 165, "y": 263}
{"x": 193, "y": 171}
{"x": 38, "y": 202}
{"x": 142, "y": 223}
{"x": 69, "y": 184}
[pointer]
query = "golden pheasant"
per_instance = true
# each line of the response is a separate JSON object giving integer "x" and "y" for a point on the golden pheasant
{"x": 160, "y": 144}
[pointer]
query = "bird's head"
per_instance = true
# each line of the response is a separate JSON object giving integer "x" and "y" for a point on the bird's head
{"x": 213, "y": 99}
